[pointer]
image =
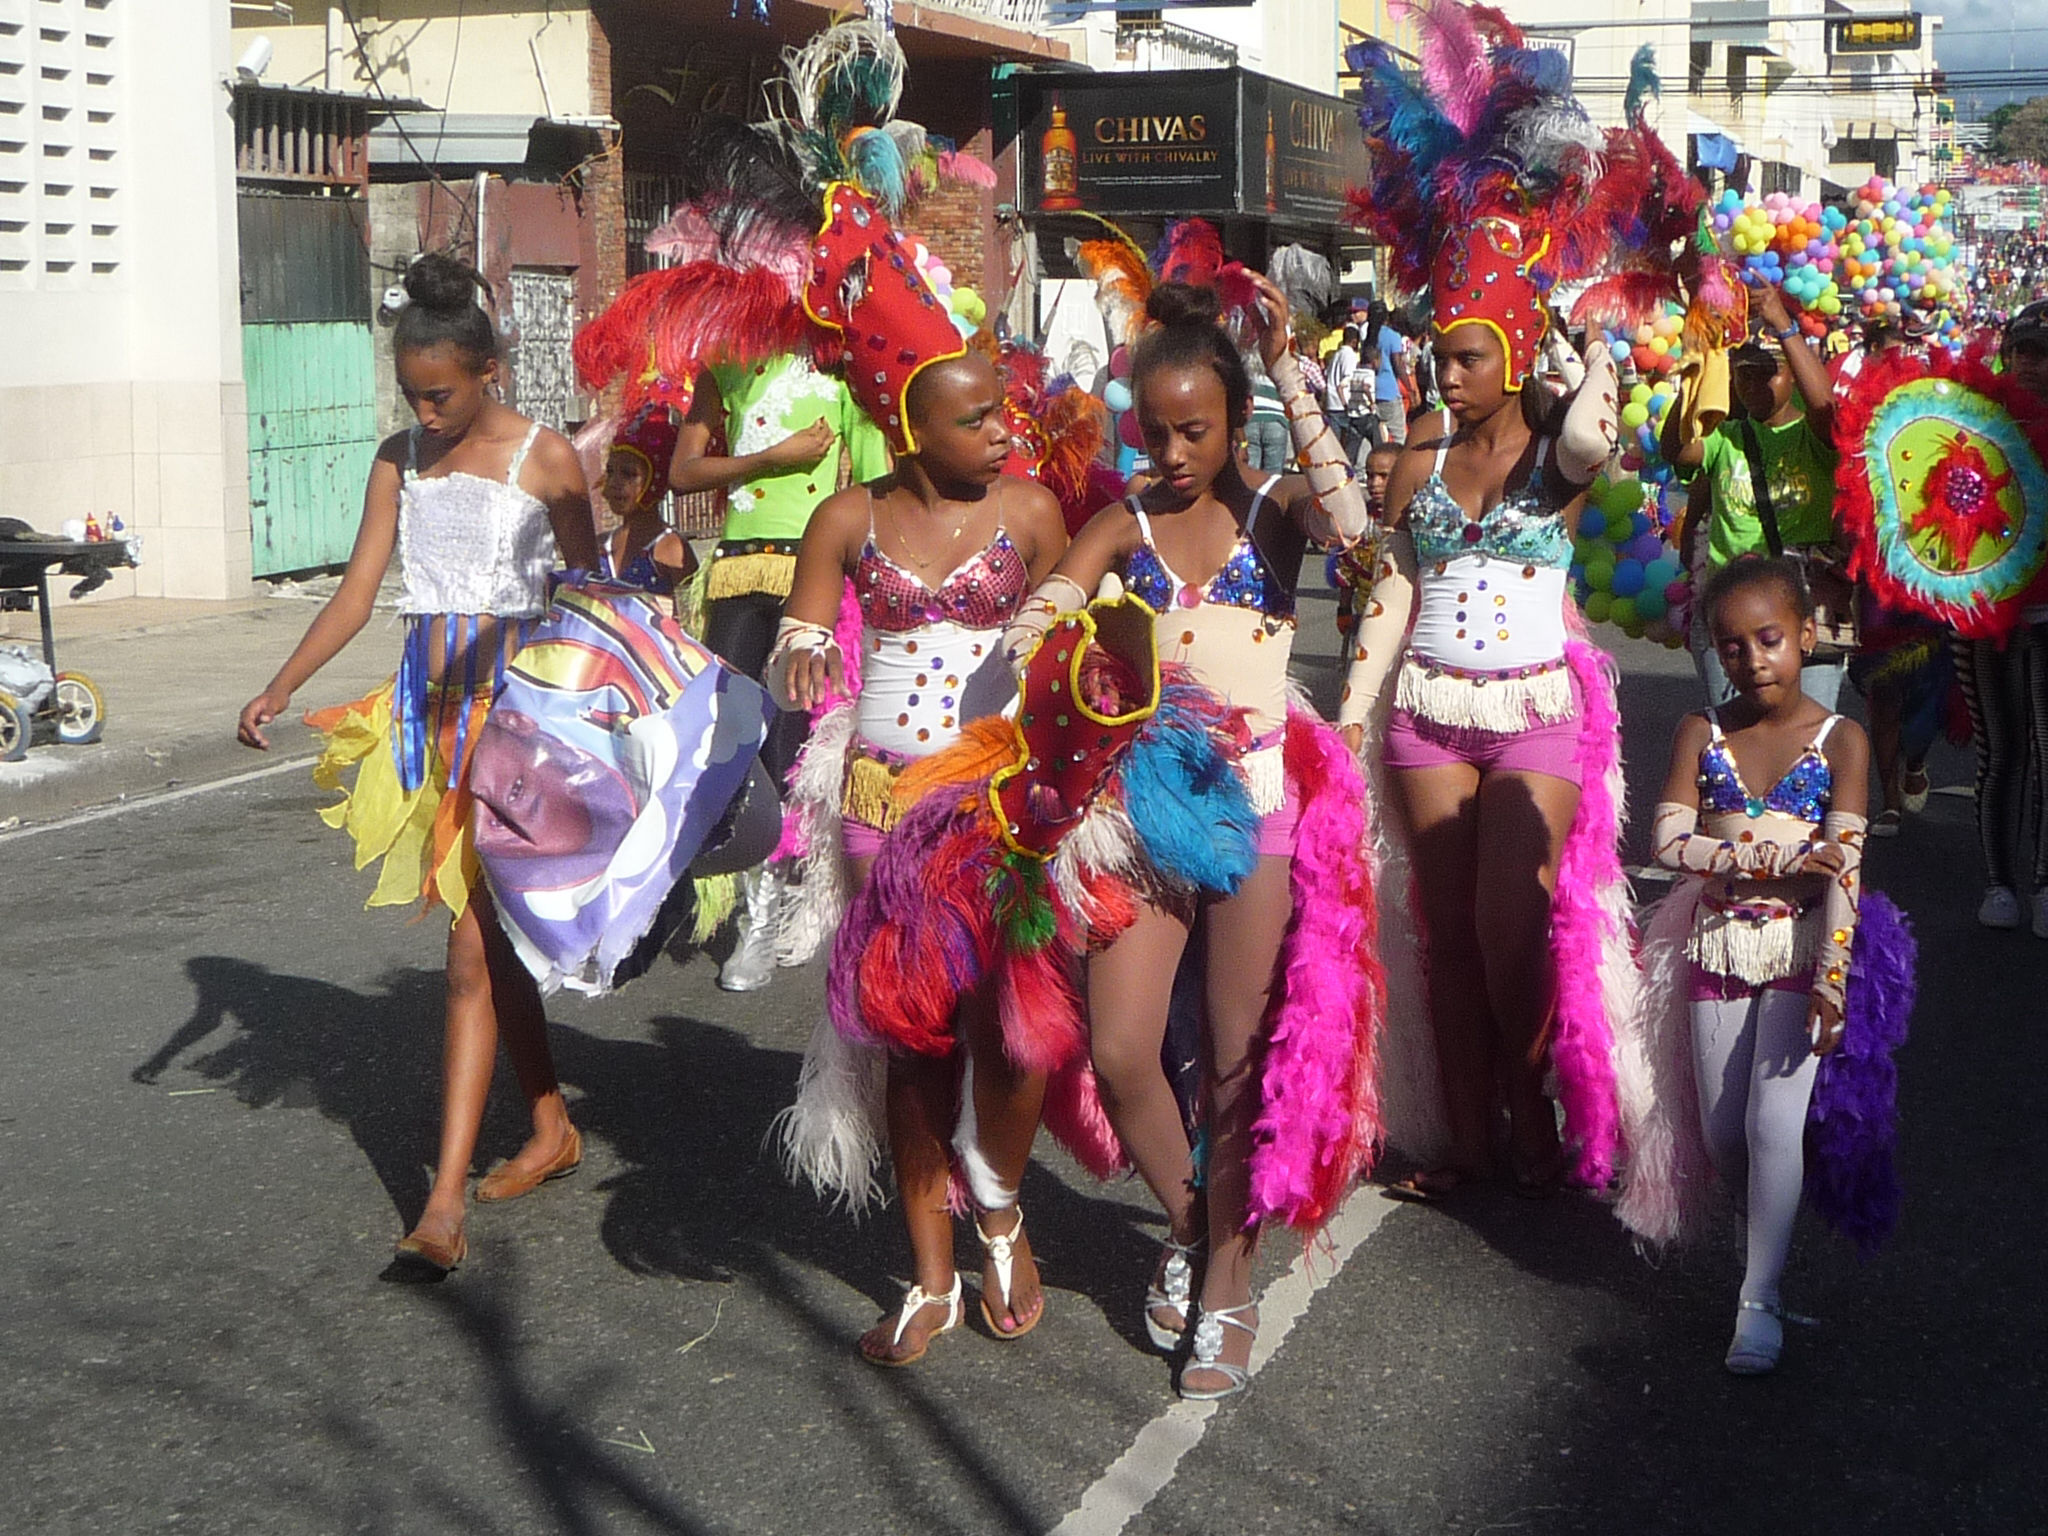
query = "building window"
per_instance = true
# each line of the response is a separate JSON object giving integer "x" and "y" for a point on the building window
{"x": 61, "y": 136}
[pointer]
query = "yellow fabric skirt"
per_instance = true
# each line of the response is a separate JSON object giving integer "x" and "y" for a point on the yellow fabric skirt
{"x": 422, "y": 838}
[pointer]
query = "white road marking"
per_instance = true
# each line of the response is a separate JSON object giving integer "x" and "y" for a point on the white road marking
{"x": 1142, "y": 1473}
{"x": 142, "y": 802}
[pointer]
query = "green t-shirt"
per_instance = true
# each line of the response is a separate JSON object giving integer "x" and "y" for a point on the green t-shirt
{"x": 1801, "y": 466}
{"x": 765, "y": 403}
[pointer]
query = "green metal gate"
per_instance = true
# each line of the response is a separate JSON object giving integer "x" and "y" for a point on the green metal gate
{"x": 311, "y": 375}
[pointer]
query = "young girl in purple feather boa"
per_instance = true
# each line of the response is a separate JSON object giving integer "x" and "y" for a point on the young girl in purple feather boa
{"x": 1751, "y": 996}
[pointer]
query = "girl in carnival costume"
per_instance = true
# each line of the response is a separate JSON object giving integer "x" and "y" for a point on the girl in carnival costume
{"x": 1501, "y": 744}
{"x": 644, "y": 551}
{"x": 1291, "y": 986}
{"x": 476, "y": 500}
{"x": 1777, "y": 987}
{"x": 941, "y": 555}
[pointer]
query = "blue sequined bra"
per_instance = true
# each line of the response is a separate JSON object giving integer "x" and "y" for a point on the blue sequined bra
{"x": 1520, "y": 528}
{"x": 1245, "y": 580}
{"x": 1804, "y": 792}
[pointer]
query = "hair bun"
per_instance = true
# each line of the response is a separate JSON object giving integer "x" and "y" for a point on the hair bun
{"x": 441, "y": 283}
{"x": 1184, "y": 304}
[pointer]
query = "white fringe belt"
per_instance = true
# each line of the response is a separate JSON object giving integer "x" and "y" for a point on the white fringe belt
{"x": 1265, "y": 775}
{"x": 1485, "y": 701}
{"x": 1753, "y": 943}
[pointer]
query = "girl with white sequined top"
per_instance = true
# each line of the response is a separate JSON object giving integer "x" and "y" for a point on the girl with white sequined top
{"x": 1483, "y": 744}
{"x": 476, "y": 501}
{"x": 941, "y": 554}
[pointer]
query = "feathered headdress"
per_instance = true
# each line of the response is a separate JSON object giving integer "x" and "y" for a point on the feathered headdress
{"x": 786, "y": 240}
{"x": 1491, "y": 185}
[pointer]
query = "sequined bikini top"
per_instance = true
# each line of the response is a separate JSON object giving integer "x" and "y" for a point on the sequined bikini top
{"x": 1804, "y": 792}
{"x": 1521, "y": 527}
{"x": 985, "y": 593}
{"x": 1245, "y": 580}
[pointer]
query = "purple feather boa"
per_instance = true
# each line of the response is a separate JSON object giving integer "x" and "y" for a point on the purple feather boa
{"x": 1586, "y": 920}
{"x": 1852, "y": 1122}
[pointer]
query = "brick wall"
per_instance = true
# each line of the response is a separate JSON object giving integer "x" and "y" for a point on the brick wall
{"x": 604, "y": 180}
{"x": 957, "y": 221}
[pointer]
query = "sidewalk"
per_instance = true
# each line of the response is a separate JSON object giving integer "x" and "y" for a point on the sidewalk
{"x": 175, "y": 674}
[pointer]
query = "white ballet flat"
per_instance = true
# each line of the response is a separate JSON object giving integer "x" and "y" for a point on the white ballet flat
{"x": 1759, "y": 1337}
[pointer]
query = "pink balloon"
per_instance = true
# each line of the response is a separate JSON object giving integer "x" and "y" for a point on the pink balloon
{"x": 1120, "y": 363}
{"x": 1127, "y": 427}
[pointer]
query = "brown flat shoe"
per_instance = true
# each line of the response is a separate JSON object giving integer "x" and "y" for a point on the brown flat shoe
{"x": 442, "y": 1256}
{"x": 507, "y": 1182}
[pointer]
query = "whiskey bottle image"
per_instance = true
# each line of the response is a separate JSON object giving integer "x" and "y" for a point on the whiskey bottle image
{"x": 1059, "y": 169}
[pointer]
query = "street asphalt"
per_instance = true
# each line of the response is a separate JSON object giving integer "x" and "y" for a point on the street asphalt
{"x": 222, "y": 1105}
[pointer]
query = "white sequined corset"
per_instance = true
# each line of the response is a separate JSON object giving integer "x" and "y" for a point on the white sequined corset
{"x": 471, "y": 545}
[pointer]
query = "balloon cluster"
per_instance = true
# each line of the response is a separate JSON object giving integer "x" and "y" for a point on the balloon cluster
{"x": 1899, "y": 254}
{"x": 964, "y": 307}
{"x": 1795, "y": 246}
{"x": 1622, "y": 571}
{"x": 1655, "y": 349}
{"x": 1116, "y": 394}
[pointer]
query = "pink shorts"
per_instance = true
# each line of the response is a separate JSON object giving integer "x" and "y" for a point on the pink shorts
{"x": 1546, "y": 746}
{"x": 1276, "y": 828}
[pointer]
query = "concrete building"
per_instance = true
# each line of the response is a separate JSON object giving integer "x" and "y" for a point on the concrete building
{"x": 1293, "y": 40}
{"x": 121, "y": 380}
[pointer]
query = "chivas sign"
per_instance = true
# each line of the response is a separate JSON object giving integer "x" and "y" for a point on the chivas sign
{"x": 1139, "y": 143}
{"x": 1195, "y": 141}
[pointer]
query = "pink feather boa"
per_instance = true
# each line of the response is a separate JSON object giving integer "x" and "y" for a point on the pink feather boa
{"x": 1589, "y": 926}
{"x": 1319, "y": 1121}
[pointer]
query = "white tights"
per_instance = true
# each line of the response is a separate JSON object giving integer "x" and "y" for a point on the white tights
{"x": 1755, "y": 1065}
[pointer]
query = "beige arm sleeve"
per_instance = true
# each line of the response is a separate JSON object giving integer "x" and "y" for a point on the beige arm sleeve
{"x": 1341, "y": 512}
{"x": 1677, "y": 843}
{"x": 1839, "y": 908}
{"x": 1056, "y": 595}
{"x": 1592, "y": 421}
{"x": 1382, "y": 631}
{"x": 794, "y": 638}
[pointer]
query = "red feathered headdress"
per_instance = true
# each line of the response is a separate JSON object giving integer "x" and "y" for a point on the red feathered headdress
{"x": 887, "y": 322}
{"x": 1481, "y": 277}
{"x": 650, "y": 437}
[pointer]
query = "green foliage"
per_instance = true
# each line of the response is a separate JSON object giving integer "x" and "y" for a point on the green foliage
{"x": 2019, "y": 131}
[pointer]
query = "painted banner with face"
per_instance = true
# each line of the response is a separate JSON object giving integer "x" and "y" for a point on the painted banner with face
{"x": 611, "y": 754}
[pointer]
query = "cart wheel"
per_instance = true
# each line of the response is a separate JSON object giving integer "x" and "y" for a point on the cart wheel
{"x": 14, "y": 729}
{"x": 81, "y": 712}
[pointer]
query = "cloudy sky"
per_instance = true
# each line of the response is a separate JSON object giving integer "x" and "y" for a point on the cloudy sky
{"x": 1989, "y": 34}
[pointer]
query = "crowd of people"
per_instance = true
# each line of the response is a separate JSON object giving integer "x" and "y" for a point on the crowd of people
{"x": 1082, "y": 857}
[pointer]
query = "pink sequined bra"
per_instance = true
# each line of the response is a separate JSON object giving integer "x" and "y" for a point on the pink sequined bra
{"x": 982, "y": 594}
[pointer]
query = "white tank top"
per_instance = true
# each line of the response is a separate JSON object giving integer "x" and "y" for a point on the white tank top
{"x": 471, "y": 545}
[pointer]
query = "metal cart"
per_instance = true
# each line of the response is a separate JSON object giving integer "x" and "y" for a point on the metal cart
{"x": 74, "y": 708}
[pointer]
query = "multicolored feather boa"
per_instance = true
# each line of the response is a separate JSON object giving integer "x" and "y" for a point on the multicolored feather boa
{"x": 1851, "y": 1123}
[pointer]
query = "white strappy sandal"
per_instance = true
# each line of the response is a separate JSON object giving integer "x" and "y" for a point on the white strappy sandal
{"x": 915, "y": 1300}
{"x": 1002, "y": 1252}
{"x": 1177, "y": 1290}
{"x": 1209, "y": 1350}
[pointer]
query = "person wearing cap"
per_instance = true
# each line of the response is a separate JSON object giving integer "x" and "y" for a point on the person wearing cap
{"x": 1783, "y": 430}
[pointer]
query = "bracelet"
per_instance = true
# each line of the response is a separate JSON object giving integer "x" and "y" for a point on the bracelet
{"x": 1788, "y": 333}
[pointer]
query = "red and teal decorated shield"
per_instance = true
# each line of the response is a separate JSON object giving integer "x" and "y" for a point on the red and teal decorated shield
{"x": 1943, "y": 490}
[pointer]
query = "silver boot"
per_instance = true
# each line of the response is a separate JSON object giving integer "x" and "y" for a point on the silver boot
{"x": 752, "y": 964}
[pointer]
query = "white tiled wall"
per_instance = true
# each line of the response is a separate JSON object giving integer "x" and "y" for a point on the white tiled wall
{"x": 62, "y": 155}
